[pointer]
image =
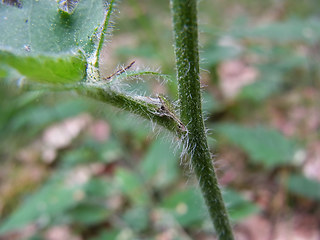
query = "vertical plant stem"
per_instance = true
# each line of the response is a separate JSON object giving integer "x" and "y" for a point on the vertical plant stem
{"x": 185, "y": 29}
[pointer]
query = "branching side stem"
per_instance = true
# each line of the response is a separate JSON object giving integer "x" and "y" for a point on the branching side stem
{"x": 150, "y": 108}
{"x": 185, "y": 27}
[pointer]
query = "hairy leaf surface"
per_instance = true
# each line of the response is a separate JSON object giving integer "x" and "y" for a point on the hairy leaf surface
{"x": 46, "y": 44}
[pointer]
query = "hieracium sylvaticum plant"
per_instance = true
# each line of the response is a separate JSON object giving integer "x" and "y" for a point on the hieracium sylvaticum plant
{"x": 58, "y": 44}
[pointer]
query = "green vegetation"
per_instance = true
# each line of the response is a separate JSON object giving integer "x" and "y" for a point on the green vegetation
{"x": 78, "y": 165}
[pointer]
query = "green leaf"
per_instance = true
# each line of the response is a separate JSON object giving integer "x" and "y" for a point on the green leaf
{"x": 98, "y": 188}
{"x": 287, "y": 31}
{"x": 137, "y": 218}
{"x": 238, "y": 206}
{"x": 160, "y": 164}
{"x": 3, "y": 72}
{"x": 36, "y": 117}
{"x": 40, "y": 28}
{"x": 214, "y": 54}
{"x": 44, "y": 43}
{"x": 36, "y": 237}
{"x": 92, "y": 209}
{"x": 304, "y": 186}
{"x": 122, "y": 123}
{"x": 47, "y": 69}
{"x": 107, "y": 235}
{"x": 132, "y": 186}
{"x": 265, "y": 87}
{"x": 54, "y": 198}
{"x": 186, "y": 206}
{"x": 266, "y": 146}
{"x": 89, "y": 214}
{"x": 76, "y": 157}
{"x": 93, "y": 151}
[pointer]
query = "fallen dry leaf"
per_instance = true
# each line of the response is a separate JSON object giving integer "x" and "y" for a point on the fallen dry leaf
{"x": 311, "y": 167}
{"x": 60, "y": 135}
{"x": 60, "y": 233}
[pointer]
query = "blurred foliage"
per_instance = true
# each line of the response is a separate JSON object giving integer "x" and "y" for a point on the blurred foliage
{"x": 303, "y": 186}
{"x": 263, "y": 145}
{"x": 131, "y": 183}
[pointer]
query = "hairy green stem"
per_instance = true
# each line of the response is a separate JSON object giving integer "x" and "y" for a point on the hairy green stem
{"x": 153, "y": 109}
{"x": 185, "y": 29}
{"x": 104, "y": 32}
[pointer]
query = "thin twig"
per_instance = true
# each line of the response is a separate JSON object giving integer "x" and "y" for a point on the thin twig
{"x": 120, "y": 71}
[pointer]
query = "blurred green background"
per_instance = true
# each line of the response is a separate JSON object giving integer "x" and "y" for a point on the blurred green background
{"x": 73, "y": 168}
